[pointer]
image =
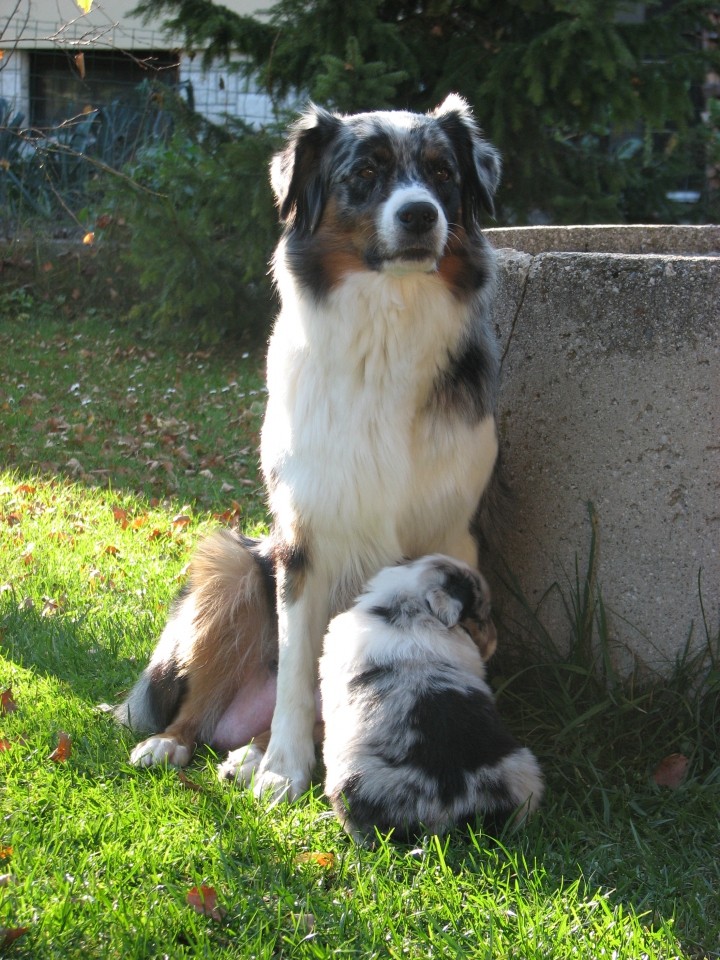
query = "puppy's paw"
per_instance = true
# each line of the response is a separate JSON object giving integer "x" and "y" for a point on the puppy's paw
{"x": 160, "y": 749}
{"x": 240, "y": 765}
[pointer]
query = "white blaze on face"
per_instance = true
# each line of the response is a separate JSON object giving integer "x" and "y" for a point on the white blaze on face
{"x": 396, "y": 240}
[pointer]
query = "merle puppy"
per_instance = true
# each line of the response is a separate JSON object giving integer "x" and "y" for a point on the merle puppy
{"x": 413, "y": 739}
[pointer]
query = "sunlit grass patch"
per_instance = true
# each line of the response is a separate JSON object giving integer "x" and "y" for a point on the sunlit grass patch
{"x": 103, "y": 860}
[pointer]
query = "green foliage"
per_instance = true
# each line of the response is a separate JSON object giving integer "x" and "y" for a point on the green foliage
{"x": 565, "y": 88}
{"x": 202, "y": 226}
{"x": 51, "y": 175}
{"x": 348, "y": 84}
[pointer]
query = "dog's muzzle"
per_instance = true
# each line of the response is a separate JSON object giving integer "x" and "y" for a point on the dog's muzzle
{"x": 412, "y": 231}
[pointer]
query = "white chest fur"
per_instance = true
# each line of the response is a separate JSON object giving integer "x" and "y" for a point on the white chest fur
{"x": 351, "y": 449}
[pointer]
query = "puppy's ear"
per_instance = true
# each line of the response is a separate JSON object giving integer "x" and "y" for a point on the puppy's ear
{"x": 296, "y": 173}
{"x": 446, "y": 608}
{"x": 464, "y": 599}
{"x": 480, "y": 164}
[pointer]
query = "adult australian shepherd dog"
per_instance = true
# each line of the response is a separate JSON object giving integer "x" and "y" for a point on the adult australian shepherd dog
{"x": 379, "y": 439}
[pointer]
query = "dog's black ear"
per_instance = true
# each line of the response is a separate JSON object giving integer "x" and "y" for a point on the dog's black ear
{"x": 479, "y": 160}
{"x": 462, "y": 595}
{"x": 296, "y": 173}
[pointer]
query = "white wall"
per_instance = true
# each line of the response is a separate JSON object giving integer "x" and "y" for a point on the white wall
{"x": 57, "y": 24}
{"x": 47, "y": 23}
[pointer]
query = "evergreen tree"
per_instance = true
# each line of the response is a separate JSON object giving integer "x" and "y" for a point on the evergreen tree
{"x": 593, "y": 103}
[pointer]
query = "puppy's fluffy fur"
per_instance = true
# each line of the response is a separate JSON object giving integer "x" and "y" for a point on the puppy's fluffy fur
{"x": 413, "y": 739}
{"x": 379, "y": 440}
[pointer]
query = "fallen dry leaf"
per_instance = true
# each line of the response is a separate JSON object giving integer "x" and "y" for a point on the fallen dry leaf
{"x": 671, "y": 771}
{"x": 188, "y": 783}
{"x": 50, "y": 607}
{"x": 204, "y": 900}
{"x": 5, "y": 744}
{"x": 326, "y": 860}
{"x": 10, "y": 934}
{"x": 121, "y": 516}
{"x": 27, "y": 555}
{"x": 5, "y": 852}
{"x": 7, "y": 702}
{"x": 63, "y": 750}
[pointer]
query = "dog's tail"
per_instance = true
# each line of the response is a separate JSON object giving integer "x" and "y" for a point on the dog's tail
{"x": 221, "y": 624}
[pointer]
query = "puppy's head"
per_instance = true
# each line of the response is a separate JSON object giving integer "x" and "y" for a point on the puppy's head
{"x": 459, "y": 596}
{"x": 386, "y": 191}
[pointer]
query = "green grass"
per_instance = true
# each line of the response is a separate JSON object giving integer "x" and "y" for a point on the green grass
{"x": 103, "y": 856}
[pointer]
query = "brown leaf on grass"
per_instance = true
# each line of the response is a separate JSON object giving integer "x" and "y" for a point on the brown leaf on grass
{"x": 326, "y": 860}
{"x": 121, "y": 517}
{"x": 204, "y": 900}
{"x": 7, "y": 702}
{"x": 27, "y": 556}
{"x": 179, "y": 522}
{"x": 671, "y": 771}
{"x": 63, "y": 750}
{"x": 51, "y": 606}
{"x": 111, "y": 549}
{"x": 9, "y": 934}
{"x": 5, "y": 744}
{"x": 189, "y": 784}
{"x": 25, "y": 488}
{"x": 5, "y": 852}
{"x": 231, "y": 515}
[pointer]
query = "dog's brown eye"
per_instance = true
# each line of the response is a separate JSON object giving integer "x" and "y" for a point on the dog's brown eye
{"x": 442, "y": 174}
{"x": 367, "y": 173}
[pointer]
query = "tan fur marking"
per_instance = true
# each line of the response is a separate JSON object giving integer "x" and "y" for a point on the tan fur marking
{"x": 233, "y": 634}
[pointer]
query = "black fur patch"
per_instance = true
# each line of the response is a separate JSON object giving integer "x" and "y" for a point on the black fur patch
{"x": 294, "y": 560}
{"x": 401, "y": 612}
{"x": 468, "y": 385}
{"x": 366, "y": 813}
{"x": 266, "y": 565}
{"x": 464, "y": 588}
{"x": 369, "y": 677}
{"x": 166, "y": 691}
{"x": 456, "y": 733}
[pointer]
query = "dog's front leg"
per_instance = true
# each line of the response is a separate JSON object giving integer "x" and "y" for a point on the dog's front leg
{"x": 303, "y": 611}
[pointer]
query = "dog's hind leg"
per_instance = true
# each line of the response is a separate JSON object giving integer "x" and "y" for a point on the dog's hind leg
{"x": 221, "y": 638}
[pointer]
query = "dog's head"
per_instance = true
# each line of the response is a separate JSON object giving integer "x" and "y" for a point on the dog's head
{"x": 390, "y": 190}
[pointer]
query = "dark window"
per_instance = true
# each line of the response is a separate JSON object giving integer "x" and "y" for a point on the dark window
{"x": 69, "y": 83}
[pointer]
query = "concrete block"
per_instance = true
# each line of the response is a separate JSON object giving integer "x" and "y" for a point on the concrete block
{"x": 611, "y": 395}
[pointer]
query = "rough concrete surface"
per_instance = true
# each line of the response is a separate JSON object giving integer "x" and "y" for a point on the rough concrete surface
{"x": 611, "y": 395}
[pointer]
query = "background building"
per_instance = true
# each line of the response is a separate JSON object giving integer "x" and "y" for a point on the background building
{"x": 57, "y": 62}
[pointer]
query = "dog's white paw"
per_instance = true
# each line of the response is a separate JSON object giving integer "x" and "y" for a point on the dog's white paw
{"x": 241, "y": 764}
{"x": 160, "y": 749}
{"x": 275, "y": 786}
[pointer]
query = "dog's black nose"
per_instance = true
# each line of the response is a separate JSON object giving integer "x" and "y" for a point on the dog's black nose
{"x": 419, "y": 216}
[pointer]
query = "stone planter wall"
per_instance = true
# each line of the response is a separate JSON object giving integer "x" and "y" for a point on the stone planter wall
{"x": 611, "y": 394}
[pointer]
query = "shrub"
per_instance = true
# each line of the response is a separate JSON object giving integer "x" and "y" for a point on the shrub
{"x": 202, "y": 226}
